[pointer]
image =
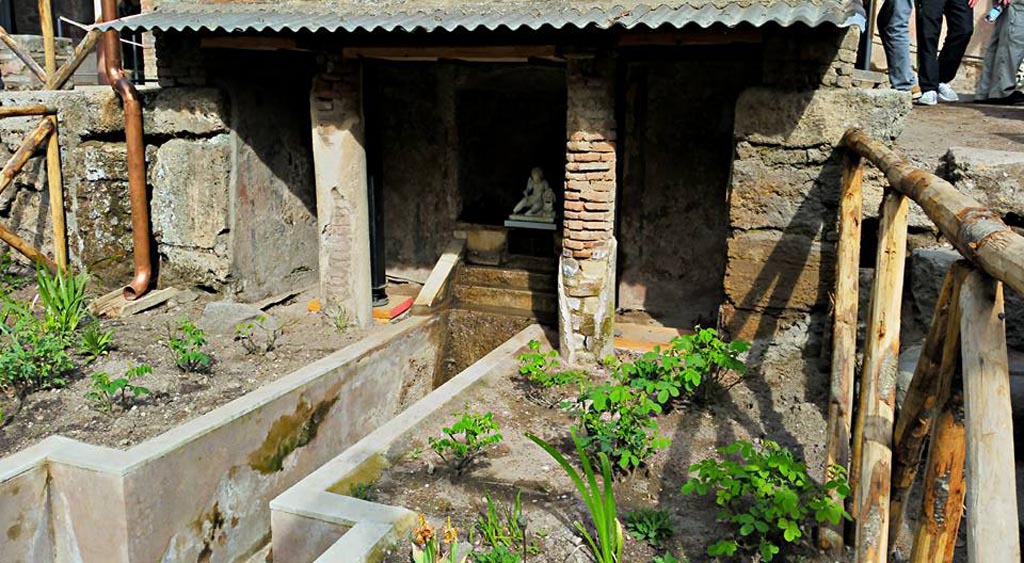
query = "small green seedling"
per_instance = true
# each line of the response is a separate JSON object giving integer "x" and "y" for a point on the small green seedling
{"x": 465, "y": 440}
{"x": 338, "y": 317}
{"x": 258, "y": 336}
{"x": 106, "y": 391}
{"x": 506, "y": 526}
{"x": 544, "y": 369}
{"x": 364, "y": 491}
{"x": 666, "y": 558}
{"x": 94, "y": 342}
{"x": 649, "y": 525}
{"x": 497, "y": 555}
{"x": 187, "y": 343}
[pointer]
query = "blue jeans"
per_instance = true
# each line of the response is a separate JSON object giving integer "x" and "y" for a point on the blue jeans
{"x": 894, "y": 27}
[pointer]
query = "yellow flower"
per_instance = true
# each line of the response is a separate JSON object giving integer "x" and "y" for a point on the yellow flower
{"x": 422, "y": 533}
{"x": 451, "y": 533}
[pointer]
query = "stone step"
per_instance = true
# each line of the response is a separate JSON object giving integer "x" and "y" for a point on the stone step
{"x": 510, "y": 301}
{"x": 507, "y": 278}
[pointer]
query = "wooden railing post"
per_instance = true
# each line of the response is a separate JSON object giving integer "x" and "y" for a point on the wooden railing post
{"x": 55, "y": 188}
{"x": 992, "y": 529}
{"x": 49, "y": 43}
{"x": 872, "y": 443}
{"x": 844, "y": 332}
{"x": 24, "y": 152}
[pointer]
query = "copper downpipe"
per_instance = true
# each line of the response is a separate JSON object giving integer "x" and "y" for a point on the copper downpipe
{"x": 141, "y": 247}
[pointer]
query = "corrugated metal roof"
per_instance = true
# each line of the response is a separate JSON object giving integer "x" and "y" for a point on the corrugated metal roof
{"x": 511, "y": 15}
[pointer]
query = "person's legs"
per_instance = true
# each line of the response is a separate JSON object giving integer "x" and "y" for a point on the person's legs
{"x": 929, "y": 25}
{"x": 894, "y": 27}
{"x": 1009, "y": 54}
{"x": 959, "y": 28}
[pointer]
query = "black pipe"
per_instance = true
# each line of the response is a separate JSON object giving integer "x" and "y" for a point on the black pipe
{"x": 375, "y": 185}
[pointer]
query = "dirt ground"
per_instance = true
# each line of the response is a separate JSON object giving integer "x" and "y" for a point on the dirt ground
{"x": 930, "y": 131}
{"x": 176, "y": 397}
{"x": 421, "y": 482}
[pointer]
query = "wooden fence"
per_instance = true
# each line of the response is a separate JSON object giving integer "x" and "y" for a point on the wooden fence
{"x": 958, "y": 402}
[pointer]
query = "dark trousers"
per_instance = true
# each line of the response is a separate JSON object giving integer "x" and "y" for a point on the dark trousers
{"x": 934, "y": 66}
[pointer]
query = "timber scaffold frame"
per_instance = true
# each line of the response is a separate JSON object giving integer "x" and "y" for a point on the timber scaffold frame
{"x": 46, "y": 132}
{"x": 958, "y": 401}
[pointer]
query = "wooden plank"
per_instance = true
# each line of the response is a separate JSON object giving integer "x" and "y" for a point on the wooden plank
{"x": 57, "y": 80}
{"x": 873, "y": 433}
{"x": 22, "y": 54}
{"x": 28, "y": 147}
{"x": 844, "y": 332}
{"x": 977, "y": 232}
{"x": 495, "y": 53}
{"x": 49, "y": 43}
{"x": 928, "y": 391}
{"x": 22, "y": 111}
{"x": 435, "y": 290}
{"x": 26, "y": 249}
{"x": 55, "y": 190}
{"x": 113, "y": 305}
{"x": 992, "y": 529}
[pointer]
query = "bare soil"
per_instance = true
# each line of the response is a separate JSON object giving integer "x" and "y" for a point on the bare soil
{"x": 423, "y": 483}
{"x": 176, "y": 397}
{"x": 930, "y": 131}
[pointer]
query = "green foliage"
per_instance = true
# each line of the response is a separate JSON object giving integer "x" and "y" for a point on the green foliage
{"x": 465, "y": 440}
{"x": 649, "y": 525}
{"x": 9, "y": 281}
{"x": 667, "y": 558}
{"x": 94, "y": 342}
{"x": 500, "y": 554}
{"x": 63, "y": 299}
{"x": 338, "y": 317}
{"x": 767, "y": 495}
{"x": 706, "y": 359}
{"x": 106, "y": 391}
{"x": 544, "y": 368}
{"x": 364, "y": 491}
{"x": 619, "y": 421}
{"x": 256, "y": 336}
{"x": 506, "y": 527}
{"x": 599, "y": 499}
{"x": 186, "y": 343}
{"x": 31, "y": 357}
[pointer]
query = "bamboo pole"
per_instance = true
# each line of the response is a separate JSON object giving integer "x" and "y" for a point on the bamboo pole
{"x": 23, "y": 55}
{"x": 28, "y": 146}
{"x": 978, "y": 233}
{"x": 928, "y": 391}
{"x": 57, "y": 80}
{"x": 873, "y": 433}
{"x": 26, "y": 249}
{"x": 992, "y": 532}
{"x": 844, "y": 332}
{"x": 942, "y": 503}
{"x": 55, "y": 187}
{"x": 22, "y": 111}
{"x": 49, "y": 44}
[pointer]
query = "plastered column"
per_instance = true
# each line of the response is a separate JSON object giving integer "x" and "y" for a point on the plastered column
{"x": 339, "y": 158}
{"x": 586, "y": 274}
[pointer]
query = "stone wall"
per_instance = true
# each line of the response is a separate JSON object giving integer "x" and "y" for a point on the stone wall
{"x": 15, "y": 75}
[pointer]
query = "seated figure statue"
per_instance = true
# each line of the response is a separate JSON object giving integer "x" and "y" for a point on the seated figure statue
{"x": 538, "y": 198}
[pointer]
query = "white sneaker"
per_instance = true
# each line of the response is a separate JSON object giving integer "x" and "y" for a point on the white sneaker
{"x": 946, "y": 94}
{"x": 929, "y": 98}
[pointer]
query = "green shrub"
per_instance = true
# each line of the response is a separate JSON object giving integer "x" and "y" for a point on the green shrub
{"x": 187, "y": 343}
{"x": 619, "y": 421}
{"x": 31, "y": 357}
{"x": 256, "y": 336}
{"x": 106, "y": 391}
{"x": 706, "y": 359}
{"x": 767, "y": 496}
{"x": 667, "y": 558}
{"x": 544, "y": 369}
{"x": 497, "y": 555}
{"x": 649, "y": 525}
{"x": 9, "y": 281}
{"x": 505, "y": 526}
{"x": 63, "y": 299}
{"x": 606, "y": 547}
{"x": 465, "y": 440}
{"x": 94, "y": 342}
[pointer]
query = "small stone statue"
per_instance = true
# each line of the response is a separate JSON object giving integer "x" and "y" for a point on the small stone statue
{"x": 538, "y": 203}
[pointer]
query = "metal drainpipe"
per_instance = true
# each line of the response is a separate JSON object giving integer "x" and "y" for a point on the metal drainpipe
{"x": 375, "y": 187}
{"x": 141, "y": 247}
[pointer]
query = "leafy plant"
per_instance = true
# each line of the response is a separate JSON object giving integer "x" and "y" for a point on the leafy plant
{"x": 544, "y": 368}
{"x": 465, "y": 440}
{"x": 767, "y": 495}
{"x": 63, "y": 298}
{"x": 338, "y": 317}
{"x": 506, "y": 527}
{"x": 364, "y": 491}
{"x": 106, "y": 391}
{"x": 31, "y": 357}
{"x": 500, "y": 554}
{"x": 94, "y": 342}
{"x": 649, "y": 525}
{"x": 619, "y": 421}
{"x": 258, "y": 336}
{"x": 9, "y": 281}
{"x": 707, "y": 359}
{"x": 667, "y": 558}
{"x": 607, "y": 542}
{"x": 187, "y": 343}
{"x": 427, "y": 548}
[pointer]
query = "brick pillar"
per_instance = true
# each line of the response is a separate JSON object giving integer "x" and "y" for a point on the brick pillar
{"x": 586, "y": 274}
{"x": 339, "y": 158}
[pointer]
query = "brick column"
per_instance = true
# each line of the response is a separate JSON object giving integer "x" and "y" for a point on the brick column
{"x": 339, "y": 158}
{"x": 586, "y": 274}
